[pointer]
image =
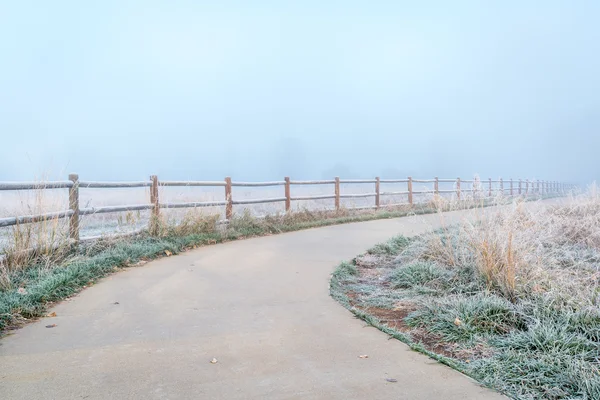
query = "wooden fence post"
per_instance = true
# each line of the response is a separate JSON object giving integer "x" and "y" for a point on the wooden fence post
{"x": 527, "y": 187}
{"x": 511, "y": 188}
{"x": 288, "y": 196}
{"x": 410, "y": 191}
{"x": 458, "y": 188}
{"x": 501, "y": 187}
{"x": 436, "y": 185}
{"x": 74, "y": 206}
{"x": 490, "y": 187}
{"x": 537, "y": 186}
{"x": 154, "y": 195}
{"x": 520, "y": 186}
{"x": 377, "y": 184}
{"x": 337, "y": 193}
{"x": 229, "y": 199}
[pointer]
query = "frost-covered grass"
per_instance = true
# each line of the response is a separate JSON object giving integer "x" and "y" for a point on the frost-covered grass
{"x": 510, "y": 298}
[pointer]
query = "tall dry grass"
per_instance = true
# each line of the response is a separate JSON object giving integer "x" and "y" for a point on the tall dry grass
{"x": 522, "y": 249}
{"x": 42, "y": 243}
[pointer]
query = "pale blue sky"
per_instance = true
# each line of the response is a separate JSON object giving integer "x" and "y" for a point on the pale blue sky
{"x": 258, "y": 90}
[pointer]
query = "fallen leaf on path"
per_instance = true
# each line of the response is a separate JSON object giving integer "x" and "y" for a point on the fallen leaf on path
{"x": 168, "y": 253}
{"x": 363, "y": 356}
{"x": 457, "y": 322}
{"x": 214, "y": 361}
{"x": 52, "y": 314}
{"x": 392, "y": 380}
{"x": 51, "y": 326}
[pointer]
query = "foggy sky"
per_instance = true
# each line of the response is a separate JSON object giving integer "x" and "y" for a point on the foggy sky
{"x": 201, "y": 90}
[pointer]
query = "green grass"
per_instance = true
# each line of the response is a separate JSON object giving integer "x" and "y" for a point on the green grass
{"x": 540, "y": 342}
{"x": 419, "y": 273}
{"x": 43, "y": 284}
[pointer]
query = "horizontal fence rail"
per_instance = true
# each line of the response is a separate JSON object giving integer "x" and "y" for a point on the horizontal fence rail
{"x": 358, "y": 180}
{"x": 193, "y": 204}
{"x": 27, "y": 219}
{"x": 258, "y": 184}
{"x": 112, "y": 209}
{"x": 475, "y": 188}
{"x": 35, "y": 185}
{"x": 312, "y": 182}
{"x": 111, "y": 185}
{"x": 393, "y": 180}
{"x": 192, "y": 183}
{"x": 317, "y": 197}
{"x": 259, "y": 201}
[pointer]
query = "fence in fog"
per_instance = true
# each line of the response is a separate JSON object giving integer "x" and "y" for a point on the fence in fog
{"x": 477, "y": 188}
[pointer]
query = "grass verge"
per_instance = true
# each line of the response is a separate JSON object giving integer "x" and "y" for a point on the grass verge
{"x": 26, "y": 290}
{"x": 511, "y": 300}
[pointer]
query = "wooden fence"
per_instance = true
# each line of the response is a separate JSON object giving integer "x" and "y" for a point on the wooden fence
{"x": 482, "y": 188}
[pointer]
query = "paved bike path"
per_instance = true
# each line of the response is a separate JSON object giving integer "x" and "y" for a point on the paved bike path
{"x": 260, "y": 306}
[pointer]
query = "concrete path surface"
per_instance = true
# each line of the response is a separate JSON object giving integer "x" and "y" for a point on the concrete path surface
{"x": 261, "y": 307}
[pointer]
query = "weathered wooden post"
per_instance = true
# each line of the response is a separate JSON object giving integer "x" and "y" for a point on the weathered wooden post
{"x": 511, "y": 188}
{"x": 377, "y": 184}
{"x": 436, "y": 185}
{"x": 527, "y": 187}
{"x": 337, "y": 193}
{"x": 229, "y": 199}
{"x": 154, "y": 195}
{"x": 410, "y": 191}
{"x": 458, "y": 188}
{"x": 490, "y": 187}
{"x": 74, "y": 206}
{"x": 501, "y": 187}
{"x": 520, "y": 186}
{"x": 537, "y": 186}
{"x": 288, "y": 197}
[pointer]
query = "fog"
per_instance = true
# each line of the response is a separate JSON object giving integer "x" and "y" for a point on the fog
{"x": 202, "y": 90}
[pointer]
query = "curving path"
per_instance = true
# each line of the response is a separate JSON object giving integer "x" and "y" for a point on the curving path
{"x": 260, "y": 306}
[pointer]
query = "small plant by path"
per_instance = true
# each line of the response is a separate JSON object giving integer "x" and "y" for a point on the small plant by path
{"x": 512, "y": 300}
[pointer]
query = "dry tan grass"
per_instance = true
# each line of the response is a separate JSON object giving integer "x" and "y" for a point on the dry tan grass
{"x": 524, "y": 248}
{"x": 43, "y": 242}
